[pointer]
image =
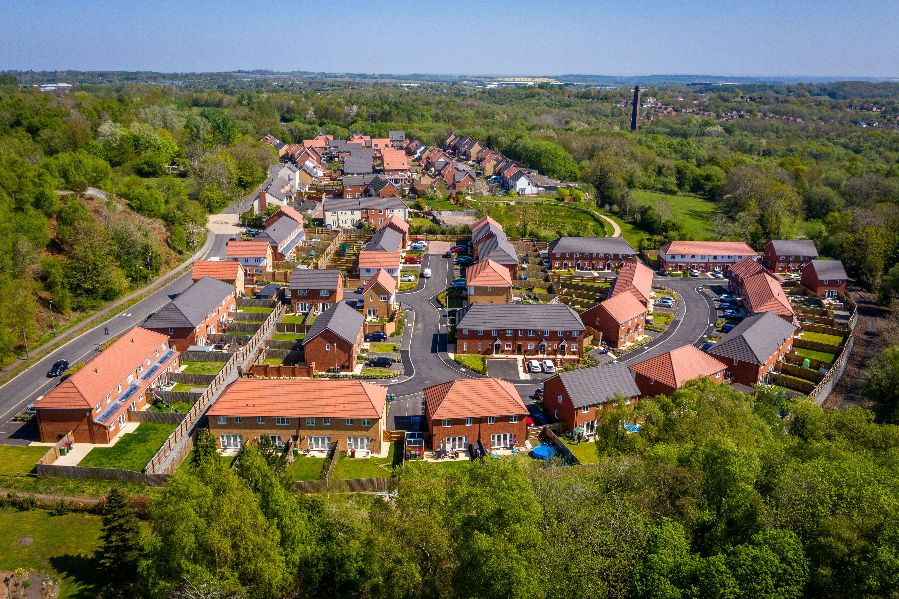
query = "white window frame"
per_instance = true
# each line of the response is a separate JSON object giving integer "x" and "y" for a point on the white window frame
{"x": 491, "y": 419}
{"x": 221, "y": 420}
{"x": 282, "y": 421}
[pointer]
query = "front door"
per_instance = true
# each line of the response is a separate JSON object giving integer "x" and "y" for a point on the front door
{"x": 319, "y": 443}
{"x": 497, "y": 347}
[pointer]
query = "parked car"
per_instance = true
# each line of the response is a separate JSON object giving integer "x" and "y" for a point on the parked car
{"x": 517, "y": 300}
{"x": 459, "y": 249}
{"x": 410, "y": 259}
{"x": 360, "y": 288}
{"x": 538, "y": 394}
{"x": 253, "y": 232}
{"x": 464, "y": 260}
{"x": 548, "y": 366}
{"x": 380, "y": 362}
{"x": 534, "y": 366}
{"x": 726, "y": 297}
{"x": 718, "y": 274}
{"x": 694, "y": 272}
{"x": 376, "y": 336}
{"x": 728, "y": 327}
{"x": 419, "y": 246}
{"x": 707, "y": 345}
{"x": 731, "y": 314}
{"x": 665, "y": 303}
{"x": 407, "y": 278}
{"x": 459, "y": 283}
{"x": 426, "y": 273}
{"x": 30, "y": 409}
{"x": 58, "y": 368}
{"x": 663, "y": 272}
{"x": 447, "y": 254}
{"x": 360, "y": 303}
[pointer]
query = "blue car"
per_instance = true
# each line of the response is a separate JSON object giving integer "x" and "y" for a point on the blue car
{"x": 464, "y": 260}
{"x": 731, "y": 314}
{"x": 376, "y": 336}
{"x": 707, "y": 345}
{"x": 728, "y": 327}
{"x": 459, "y": 284}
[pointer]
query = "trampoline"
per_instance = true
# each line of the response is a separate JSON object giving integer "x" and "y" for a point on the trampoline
{"x": 543, "y": 452}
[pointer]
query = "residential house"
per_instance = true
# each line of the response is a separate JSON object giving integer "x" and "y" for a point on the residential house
{"x": 385, "y": 239}
{"x": 742, "y": 270}
{"x": 789, "y": 255}
{"x": 398, "y": 224}
{"x": 619, "y": 320}
{"x": 333, "y": 340}
{"x": 489, "y": 242}
{"x": 664, "y": 373}
{"x": 223, "y": 270}
{"x": 200, "y": 310}
{"x": 371, "y": 261}
{"x": 634, "y": 278}
{"x": 339, "y": 213}
{"x": 356, "y": 186}
{"x": 92, "y": 403}
{"x": 360, "y": 161}
{"x": 379, "y": 296}
{"x": 574, "y": 397}
{"x": 288, "y": 211}
{"x": 397, "y": 139}
{"x": 521, "y": 184}
{"x": 703, "y": 255}
{"x": 752, "y": 348}
{"x": 254, "y": 256}
{"x": 382, "y": 188}
{"x": 762, "y": 293}
{"x": 315, "y": 290}
{"x": 590, "y": 253}
{"x": 550, "y": 330}
{"x": 825, "y": 278}
{"x": 468, "y": 411}
{"x": 488, "y": 282}
{"x": 309, "y": 414}
{"x": 285, "y": 235}
{"x": 394, "y": 165}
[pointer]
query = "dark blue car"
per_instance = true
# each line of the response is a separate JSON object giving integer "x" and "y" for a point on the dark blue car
{"x": 728, "y": 327}
{"x": 376, "y": 336}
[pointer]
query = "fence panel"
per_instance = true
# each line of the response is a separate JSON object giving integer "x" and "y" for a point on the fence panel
{"x": 205, "y": 356}
{"x": 156, "y": 417}
{"x": 81, "y": 472}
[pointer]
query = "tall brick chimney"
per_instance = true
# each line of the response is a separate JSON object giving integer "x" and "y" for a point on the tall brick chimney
{"x": 635, "y": 113}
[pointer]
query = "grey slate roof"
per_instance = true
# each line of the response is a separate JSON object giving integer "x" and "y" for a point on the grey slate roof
{"x": 314, "y": 278}
{"x": 396, "y": 135}
{"x": 191, "y": 308}
{"x": 551, "y": 317}
{"x": 592, "y": 245}
{"x": 377, "y": 184}
{"x": 794, "y": 247}
{"x": 600, "y": 384}
{"x": 829, "y": 269}
{"x": 279, "y": 231}
{"x": 353, "y": 180}
{"x": 755, "y": 339}
{"x": 487, "y": 227}
{"x": 358, "y": 164}
{"x": 386, "y": 239}
{"x": 365, "y": 203}
{"x": 341, "y": 320}
{"x": 499, "y": 249}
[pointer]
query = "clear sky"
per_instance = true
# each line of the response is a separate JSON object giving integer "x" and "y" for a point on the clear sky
{"x": 724, "y": 37}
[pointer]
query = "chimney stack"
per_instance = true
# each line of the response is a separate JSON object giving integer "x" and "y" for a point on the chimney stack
{"x": 635, "y": 113}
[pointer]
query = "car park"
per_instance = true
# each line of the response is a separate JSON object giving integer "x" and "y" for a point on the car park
{"x": 376, "y": 336}
{"x": 380, "y": 361}
{"x": 464, "y": 260}
{"x": 718, "y": 274}
{"x": 410, "y": 259}
{"x": 534, "y": 366}
{"x": 694, "y": 272}
{"x": 548, "y": 366}
{"x": 726, "y": 297}
{"x": 426, "y": 273}
{"x": 58, "y": 368}
{"x": 407, "y": 278}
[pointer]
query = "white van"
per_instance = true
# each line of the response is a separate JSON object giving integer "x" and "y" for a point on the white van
{"x": 426, "y": 273}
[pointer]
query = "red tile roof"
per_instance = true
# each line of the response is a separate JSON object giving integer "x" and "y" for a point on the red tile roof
{"x": 678, "y": 366}
{"x": 623, "y": 307}
{"x": 248, "y": 397}
{"x": 709, "y": 248}
{"x": 488, "y": 273}
{"x": 763, "y": 293}
{"x": 484, "y": 220}
{"x": 473, "y": 398}
{"x": 394, "y": 160}
{"x": 247, "y": 249}
{"x": 384, "y": 280}
{"x": 746, "y": 267}
{"x": 287, "y": 211}
{"x": 635, "y": 278}
{"x": 101, "y": 375}
{"x": 375, "y": 259}
{"x": 395, "y": 222}
{"x": 223, "y": 270}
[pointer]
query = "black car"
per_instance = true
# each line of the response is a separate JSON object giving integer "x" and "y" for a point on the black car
{"x": 58, "y": 368}
{"x": 464, "y": 260}
{"x": 381, "y": 362}
{"x": 377, "y": 336}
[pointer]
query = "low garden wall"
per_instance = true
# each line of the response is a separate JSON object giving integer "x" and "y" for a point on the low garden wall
{"x": 387, "y": 328}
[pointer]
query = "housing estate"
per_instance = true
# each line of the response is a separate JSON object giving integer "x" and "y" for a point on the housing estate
{"x": 762, "y": 293}
{"x": 703, "y": 255}
{"x": 284, "y": 233}
{"x": 339, "y": 213}
{"x": 333, "y": 340}
{"x": 489, "y": 242}
{"x": 573, "y": 397}
{"x": 315, "y": 290}
{"x": 825, "y": 278}
{"x": 590, "y": 253}
{"x": 552, "y": 330}
{"x": 667, "y": 372}
{"x": 752, "y": 348}
{"x": 379, "y": 296}
{"x": 372, "y": 261}
{"x": 200, "y": 310}
{"x": 634, "y": 278}
{"x": 92, "y": 403}
{"x": 468, "y": 411}
{"x": 254, "y": 256}
{"x": 788, "y": 255}
{"x": 308, "y": 414}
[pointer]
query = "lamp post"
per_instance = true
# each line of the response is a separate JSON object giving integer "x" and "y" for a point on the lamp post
{"x": 52, "y": 321}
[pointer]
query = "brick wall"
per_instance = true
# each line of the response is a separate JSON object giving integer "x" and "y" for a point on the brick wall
{"x": 314, "y": 297}
{"x": 489, "y": 295}
{"x": 479, "y": 429}
{"x": 467, "y": 343}
{"x": 613, "y": 334}
{"x": 751, "y": 374}
{"x": 649, "y": 387}
{"x": 588, "y": 261}
{"x": 339, "y": 352}
{"x": 382, "y": 308}
{"x": 338, "y": 430}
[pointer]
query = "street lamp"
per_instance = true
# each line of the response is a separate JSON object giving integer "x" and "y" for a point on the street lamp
{"x": 52, "y": 321}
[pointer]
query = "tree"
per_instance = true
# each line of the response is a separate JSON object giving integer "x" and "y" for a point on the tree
{"x": 120, "y": 549}
{"x": 204, "y": 449}
{"x": 867, "y": 251}
{"x": 882, "y": 384}
{"x": 820, "y": 201}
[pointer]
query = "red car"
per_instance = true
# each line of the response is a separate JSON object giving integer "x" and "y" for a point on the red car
{"x": 458, "y": 249}
{"x": 412, "y": 260}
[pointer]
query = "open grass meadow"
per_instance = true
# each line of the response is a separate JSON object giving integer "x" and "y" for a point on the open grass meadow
{"x": 546, "y": 220}
{"x": 58, "y": 546}
{"x": 693, "y": 212}
{"x": 133, "y": 450}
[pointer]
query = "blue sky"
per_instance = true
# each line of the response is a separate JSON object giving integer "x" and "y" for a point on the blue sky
{"x": 763, "y": 37}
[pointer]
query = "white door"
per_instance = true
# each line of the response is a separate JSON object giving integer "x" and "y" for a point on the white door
{"x": 456, "y": 443}
{"x": 590, "y": 428}
{"x": 358, "y": 443}
{"x": 231, "y": 441}
{"x": 319, "y": 443}
{"x": 500, "y": 440}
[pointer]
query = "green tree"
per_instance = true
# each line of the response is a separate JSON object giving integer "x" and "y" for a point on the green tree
{"x": 120, "y": 549}
{"x": 882, "y": 384}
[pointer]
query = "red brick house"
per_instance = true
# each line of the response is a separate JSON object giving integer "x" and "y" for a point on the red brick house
{"x": 788, "y": 255}
{"x": 488, "y": 283}
{"x": 223, "y": 270}
{"x": 825, "y": 278}
{"x": 573, "y": 397}
{"x": 254, "y": 256}
{"x": 762, "y": 293}
{"x": 202, "y": 309}
{"x": 619, "y": 320}
{"x": 465, "y": 411}
{"x": 315, "y": 290}
{"x": 531, "y": 330}
{"x": 92, "y": 403}
{"x": 634, "y": 278}
{"x": 703, "y": 255}
{"x": 753, "y": 347}
{"x": 665, "y": 373}
{"x": 399, "y": 225}
{"x": 489, "y": 242}
{"x": 590, "y": 253}
{"x": 334, "y": 339}
{"x": 742, "y": 270}
{"x": 379, "y": 296}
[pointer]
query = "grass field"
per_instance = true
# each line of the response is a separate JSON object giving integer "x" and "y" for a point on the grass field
{"x": 585, "y": 451}
{"x": 822, "y": 338}
{"x": 294, "y": 318}
{"x": 202, "y": 367}
{"x": 547, "y": 220}
{"x": 61, "y": 546}
{"x": 305, "y": 468}
{"x": 348, "y": 468}
{"x": 133, "y": 450}
{"x": 475, "y": 362}
{"x": 693, "y": 212}
{"x": 18, "y": 459}
{"x": 816, "y": 355}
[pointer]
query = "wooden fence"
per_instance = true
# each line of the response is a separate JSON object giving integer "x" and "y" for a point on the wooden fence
{"x": 808, "y": 374}
{"x": 817, "y": 346}
{"x": 245, "y": 302}
{"x": 197, "y": 380}
{"x": 81, "y": 472}
{"x": 840, "y": 330}
{"x": 388, "y": 328}
{"x": 54, "y": 452}
{"x": 330, "y": 463}
{"x": 292, "y": 327}
{"x": 282, "y": 372}
{"x": 155, "y": 417}
{"x": 792, "y": 383}
{"x": 206, "y": 356}
{"x": 356, "y": 485}
{"x": 824, "y": 388}
{"x": 563, "y": 450}
{"x": 799, "y": 359}
{"x": 171, "y": 397}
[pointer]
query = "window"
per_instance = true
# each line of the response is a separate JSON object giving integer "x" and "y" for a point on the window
{"x": 491, "y": 420}
{"x": 508, "y": 346}
{"x": 326, "y": 422}
{"x": 508, "y": 332}
{"x": 493, "y": 332}
{"x": 366, "y": 422}
{"x": 327, "y": 347}
{"x": 468, "y": 421}
{"x": 231, "y": 441}
{"x": 559, "y": 399}
{"x": 573, "y": 346}
{"x": 513, "y": 419}
{"x": 358, "y": 443}
{"x": 349, "y": 422}
{"x": 383, "y": 298}
{"x": 464, "y": 331}
{"x": 546, "y": 333}
{"x": 237, "y": 419}
{"x": 456, "y": 443}
{"x": 310, "y": 422}
{"x": 444, "y": 422}
{"x": 319, "y": 443}
{"x": 575, "y": 334}
{"x": 282, "y": 421}
{"x": 324, "y": 292}
{"x": 500, "y": 440}
{"x": 222, "y": 420}
{"x": 260, "y": 420}
{"x": 530, "y": 346}
{"x": 585, "y": 409}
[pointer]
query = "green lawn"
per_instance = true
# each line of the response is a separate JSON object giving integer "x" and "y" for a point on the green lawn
{"x": 661, "y": 318}
{"x": 822, "y": 338}
{"x": 693, "y": 212}
{"x": 475, "y": 362}
{"x": 408, "y": 286}
{"x": 182, "y": 388}
{"x": 202, "y": 367}
{"x": 378, "y": 373}
{"x": 180, "y": 406}
{"x": 255, "y": 310}
{"x": 288, "y": 336}
{"x": 61, "y": 546}
{"x": 816, "y": 355}
{"x": 383, "y": 347}
{"x": 305, "y": 468}
{"x": 348, "y": 468}
{"x": 133, "y": 450}
{"x": 18, "y": 459}
{"x": 294, "y": 318}
{"x": 585, "y": 451}
{"x": 546, "y": 220}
